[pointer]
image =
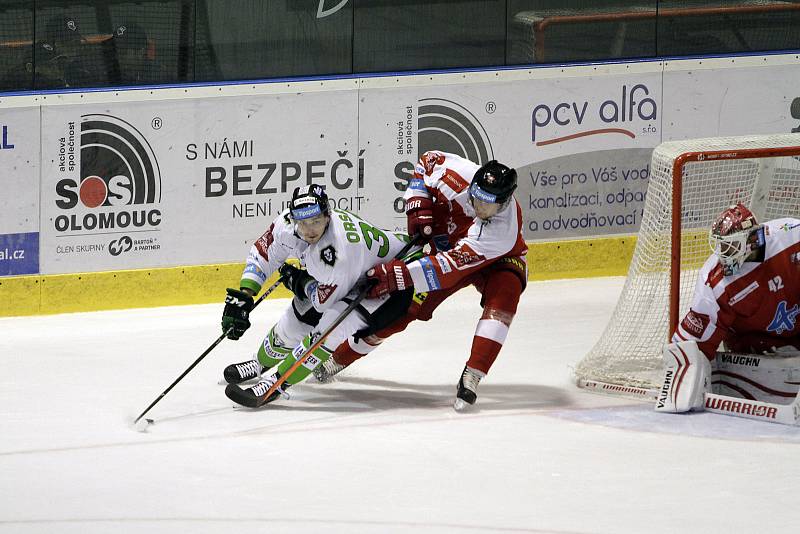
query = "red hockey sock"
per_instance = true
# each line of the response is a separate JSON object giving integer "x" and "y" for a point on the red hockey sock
{"x": 484, "y": 352}
{"x": 501, "y": 294}
{"x": 345, "y": 355}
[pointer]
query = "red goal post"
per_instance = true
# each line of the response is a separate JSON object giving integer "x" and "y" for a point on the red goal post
{"x": 694, "y": 179}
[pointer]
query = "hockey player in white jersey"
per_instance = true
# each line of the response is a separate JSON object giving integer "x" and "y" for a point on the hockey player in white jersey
{"x": 747, "y": 296}
{"x": 336, "y": 247}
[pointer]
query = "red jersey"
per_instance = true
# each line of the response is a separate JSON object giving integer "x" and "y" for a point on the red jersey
{"x": 445, "y": 178}
{"x": 755, "y": 309}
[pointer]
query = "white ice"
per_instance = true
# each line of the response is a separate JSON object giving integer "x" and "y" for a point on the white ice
{"x": 381, "y": 450}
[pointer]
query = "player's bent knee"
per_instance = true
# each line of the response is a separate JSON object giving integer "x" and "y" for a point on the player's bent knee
{"x": 305, "y": 313}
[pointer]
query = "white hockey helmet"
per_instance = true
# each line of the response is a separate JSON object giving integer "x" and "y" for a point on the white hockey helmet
{"x": 733, "y": 237}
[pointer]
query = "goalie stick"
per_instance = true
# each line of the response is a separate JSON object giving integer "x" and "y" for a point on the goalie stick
{"x": 785, "y": 414}
{"x": 269, "y": 290}
{"x": 236, "y": 391}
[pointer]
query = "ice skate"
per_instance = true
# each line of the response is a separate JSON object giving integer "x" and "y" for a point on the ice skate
{"x": 236, "y": 373}
{"x": 467, "y": 392}
{"x": 326, "y": 371}
{"x": 253, "y": 397}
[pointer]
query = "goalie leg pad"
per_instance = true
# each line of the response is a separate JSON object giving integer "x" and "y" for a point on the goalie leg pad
{"x": 687, "y": 377}
{"x": 773, "y": 377}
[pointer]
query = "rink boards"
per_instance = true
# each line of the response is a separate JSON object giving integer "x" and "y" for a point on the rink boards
{"x": 145, "y": 197}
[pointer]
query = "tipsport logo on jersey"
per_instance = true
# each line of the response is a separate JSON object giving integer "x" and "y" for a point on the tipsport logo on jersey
{"x": 437, "y": 124}
{"x": 118, "y": 185}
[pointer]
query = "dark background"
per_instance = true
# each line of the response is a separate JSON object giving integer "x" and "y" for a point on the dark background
{"x": 219, "y": 40}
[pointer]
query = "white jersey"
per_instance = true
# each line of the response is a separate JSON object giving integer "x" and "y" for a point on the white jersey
{"x": 349, "y": 247}
{"x": 270, "y": 251}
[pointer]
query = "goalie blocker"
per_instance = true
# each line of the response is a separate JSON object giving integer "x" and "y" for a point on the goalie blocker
{"x": 744, "y": 385}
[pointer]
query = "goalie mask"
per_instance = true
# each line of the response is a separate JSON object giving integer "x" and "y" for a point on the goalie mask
{"x": 734, "y": 235}
{"x": 493, "y": 184}
{"x": 309, "y": 211}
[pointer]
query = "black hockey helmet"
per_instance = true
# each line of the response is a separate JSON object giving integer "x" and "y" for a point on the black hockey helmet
{"x": 493, "y": 183}
{"x": 308, "y": 201}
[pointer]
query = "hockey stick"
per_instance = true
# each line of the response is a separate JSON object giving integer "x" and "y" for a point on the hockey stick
{"x": 269, "y": 290}
{"x": 321, "y": 338}
{"x": 785, "y": 414}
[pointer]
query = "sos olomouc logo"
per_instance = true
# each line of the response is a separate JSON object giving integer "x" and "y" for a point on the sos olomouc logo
{"x": 120, "y": 179}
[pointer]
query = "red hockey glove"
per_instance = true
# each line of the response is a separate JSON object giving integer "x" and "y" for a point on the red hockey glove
{"x": 420, "y": 216}
{"x": 388, "y": 278}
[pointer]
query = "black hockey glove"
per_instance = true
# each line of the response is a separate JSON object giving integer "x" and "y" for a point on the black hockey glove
{"x": 296, "y": 280}
{"x": 236, "y": 315}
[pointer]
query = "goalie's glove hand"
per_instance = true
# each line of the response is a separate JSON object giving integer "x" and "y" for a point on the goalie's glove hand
{"x": 296, "y": 280}
{"x": 387, "y": 278}
{"x": 236, "y": 315}
{"x": 419, "y": 214}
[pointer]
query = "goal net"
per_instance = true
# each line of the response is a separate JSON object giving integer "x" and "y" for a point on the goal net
{"x": 691, "y": 182}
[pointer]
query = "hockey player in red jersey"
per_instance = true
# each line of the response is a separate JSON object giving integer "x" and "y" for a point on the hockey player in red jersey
{"x": 475, "y": 227}
{"x": 747, "y": 296}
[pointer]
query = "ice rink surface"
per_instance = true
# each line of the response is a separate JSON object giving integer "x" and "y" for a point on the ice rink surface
{"x": 381, "y": 450}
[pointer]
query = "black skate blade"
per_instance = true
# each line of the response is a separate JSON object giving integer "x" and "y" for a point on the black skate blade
{"x": 243, "y": 397}
{"x": 223, "y": 382}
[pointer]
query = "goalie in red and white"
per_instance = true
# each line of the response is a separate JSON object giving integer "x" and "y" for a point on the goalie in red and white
{"x": 747, "y": 296}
